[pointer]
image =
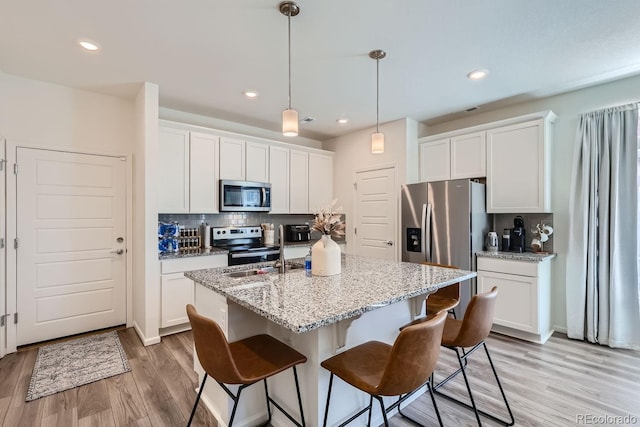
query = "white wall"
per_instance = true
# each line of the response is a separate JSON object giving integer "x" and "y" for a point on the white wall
{"x": 567, "y": 107}
{"x": 146, "y": 267}
{"x": 48, "y": 115}
{"x": 353, "y": 152}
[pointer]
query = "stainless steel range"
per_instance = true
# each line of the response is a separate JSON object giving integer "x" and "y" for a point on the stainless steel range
{"x": 244, "y": 244}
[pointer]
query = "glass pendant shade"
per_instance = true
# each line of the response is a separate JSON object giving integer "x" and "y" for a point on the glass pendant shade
{"x": 290, "y": 122}
{"x": 377, "y": 143}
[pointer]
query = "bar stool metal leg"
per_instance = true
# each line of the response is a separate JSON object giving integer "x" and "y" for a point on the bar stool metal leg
{"x": 326, "y": 410}
{"x": 462, "y": 361}
{"x": 195, "y": 405}
{"x": 384, "y": 411}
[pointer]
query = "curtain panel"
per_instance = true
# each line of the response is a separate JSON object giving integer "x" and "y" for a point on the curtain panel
{"x": 603, "y": 301}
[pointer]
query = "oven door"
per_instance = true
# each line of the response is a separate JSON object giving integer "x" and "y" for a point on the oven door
{"x": 249, "y": 257}
{"x": 245, "y": 196}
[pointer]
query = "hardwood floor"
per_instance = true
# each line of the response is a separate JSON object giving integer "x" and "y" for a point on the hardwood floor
{"x": 159, "y": 390}
{"x": 561, "y": 383}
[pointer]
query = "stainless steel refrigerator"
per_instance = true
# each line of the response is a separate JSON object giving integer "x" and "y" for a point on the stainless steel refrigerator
{"x": 445, "y": 222}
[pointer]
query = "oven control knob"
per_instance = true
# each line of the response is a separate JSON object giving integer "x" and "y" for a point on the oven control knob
{"x": 218, "y": 232}
{"x": 224, "y": 231}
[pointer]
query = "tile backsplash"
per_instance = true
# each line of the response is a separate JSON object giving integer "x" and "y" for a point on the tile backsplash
{"x": 502, "y": 221}
{"x": 238, "y": 219}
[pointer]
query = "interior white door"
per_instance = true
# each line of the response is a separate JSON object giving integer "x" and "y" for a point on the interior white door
{"x": 71, "y": 262}
{"x": 376, "y": 213}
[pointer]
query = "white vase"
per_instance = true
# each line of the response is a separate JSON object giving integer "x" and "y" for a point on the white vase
{"x": 325, "y": 257}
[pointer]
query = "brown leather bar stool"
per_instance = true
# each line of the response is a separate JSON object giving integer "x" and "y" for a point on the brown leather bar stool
{"x": 383, "y": 370}
{"x": 243, "y": 362}
{"x": 472, "y": 332}
{"x": 446, "y": 298}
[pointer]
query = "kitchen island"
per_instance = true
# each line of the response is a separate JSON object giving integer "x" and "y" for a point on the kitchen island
{"x": 318, "y": 316}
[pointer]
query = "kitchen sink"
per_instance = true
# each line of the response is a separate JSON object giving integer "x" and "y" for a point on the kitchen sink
{"x": 264, "y": 270}
{"x": 242, "y": 273}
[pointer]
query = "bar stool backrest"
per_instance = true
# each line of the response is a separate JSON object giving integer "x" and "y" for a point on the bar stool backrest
{"x": 478, "y": 319}
{"x": 413, "y": 357}
{"x": 451, "y": 291}
{"x": 212, "y": 348}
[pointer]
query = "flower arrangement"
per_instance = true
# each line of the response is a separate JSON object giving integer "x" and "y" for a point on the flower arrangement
{"x": 542, "y": 231}
{"x": 329, "y": 221}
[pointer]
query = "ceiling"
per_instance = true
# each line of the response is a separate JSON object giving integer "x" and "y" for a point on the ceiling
{"x": 204, "y": 54}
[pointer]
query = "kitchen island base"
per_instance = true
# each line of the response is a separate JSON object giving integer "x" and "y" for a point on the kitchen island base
{"x": 319, "y": 344}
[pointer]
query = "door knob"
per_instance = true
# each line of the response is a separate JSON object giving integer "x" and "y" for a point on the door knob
{"x": 119, "y": 251}
{"x": 389, "y": 243}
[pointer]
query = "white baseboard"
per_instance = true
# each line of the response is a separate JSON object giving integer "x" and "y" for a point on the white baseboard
{"x": 561, "y": 329}
{"x": 175, "y": 329}
{"x": 145, "y": 341}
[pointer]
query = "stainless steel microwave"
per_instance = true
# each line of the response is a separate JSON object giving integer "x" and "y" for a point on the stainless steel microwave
{"x": 244, "y": 196}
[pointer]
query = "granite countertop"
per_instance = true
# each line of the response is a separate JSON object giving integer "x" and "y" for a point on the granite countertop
{"x": 193, "y": 253}
{"x": 302, "y": 303}
{"x": 515, "y": 256}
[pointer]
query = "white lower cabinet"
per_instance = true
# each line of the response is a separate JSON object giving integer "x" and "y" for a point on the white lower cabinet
{"x": 177, "y": 291}
{"x": 523, "y": 306}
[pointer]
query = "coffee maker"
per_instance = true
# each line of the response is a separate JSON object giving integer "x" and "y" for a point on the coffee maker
{"x": 517, "y": 235}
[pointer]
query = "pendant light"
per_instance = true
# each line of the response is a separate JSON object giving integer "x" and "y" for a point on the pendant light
{"x": 289, "y": 116}
{"x": 377, "y": 139}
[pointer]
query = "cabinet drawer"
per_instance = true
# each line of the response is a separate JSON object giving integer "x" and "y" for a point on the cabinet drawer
{"x": 521, "y": 268}
{"x": 196, "y": 263}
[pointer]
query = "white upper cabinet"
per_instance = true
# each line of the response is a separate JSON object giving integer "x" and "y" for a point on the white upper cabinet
{"x": 513, "y": 154}
{"x": 173, "y": 171}
{"x": 320, "y": 181}
{"x": 518, "y": 168}
{"x": 187, "y": 172}
{"x": 203, "y": 188}
{"x": 461, "y": 156}
{"x": 257, "y": 162}
{"x": 298, "y": 181}
{"x": 468, "y": 156}
{"x": 232, "y": 159}
{"x": 435, "y": 160}
{"x": 279, "y": 179}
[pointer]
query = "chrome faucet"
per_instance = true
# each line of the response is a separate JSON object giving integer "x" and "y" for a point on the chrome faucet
{"x": 280, "y": 263}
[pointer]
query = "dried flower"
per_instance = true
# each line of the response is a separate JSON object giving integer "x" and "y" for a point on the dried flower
{"x": 329, "y": 221}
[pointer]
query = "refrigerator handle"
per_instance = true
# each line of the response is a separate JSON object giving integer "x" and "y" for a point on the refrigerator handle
{"x": 426, "y": 231}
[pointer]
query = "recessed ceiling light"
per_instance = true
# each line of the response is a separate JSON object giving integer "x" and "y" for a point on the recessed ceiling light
{"x": 477, "y": 74}
{"x": 89, "y": 45}
{"x": 343, "y": 120}
{"x": 250, "y": 94}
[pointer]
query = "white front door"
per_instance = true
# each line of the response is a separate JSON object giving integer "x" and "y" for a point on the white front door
{"x": 71, "y": 262}
{"x": 376, "y": 213}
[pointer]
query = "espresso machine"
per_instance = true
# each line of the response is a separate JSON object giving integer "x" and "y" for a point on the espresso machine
{"x": 517, "y": 235}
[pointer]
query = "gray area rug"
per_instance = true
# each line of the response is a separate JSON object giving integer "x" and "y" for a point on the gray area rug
{"x": 70, "y": 364}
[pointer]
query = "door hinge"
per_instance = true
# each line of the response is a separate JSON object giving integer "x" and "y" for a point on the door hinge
{"x": 1, "y": 242}
{"x": 2, "y": 162}
{"x": 15, "y": 243}
{"x": 15, "y": 318}
{"x": 2, "y": 319}
{"x": 15, "y": 169}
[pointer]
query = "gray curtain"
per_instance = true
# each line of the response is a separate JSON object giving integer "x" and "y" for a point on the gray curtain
{"x": 603, "y": 301}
